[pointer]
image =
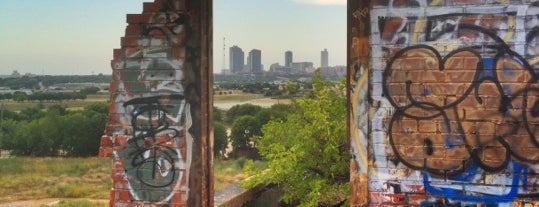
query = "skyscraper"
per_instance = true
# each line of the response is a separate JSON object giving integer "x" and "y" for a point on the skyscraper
{"x": 287, "y": 58}
{"x": 255, "y": 61}
{"x": 237, "y": 59}
{"x": 324, "y": 58}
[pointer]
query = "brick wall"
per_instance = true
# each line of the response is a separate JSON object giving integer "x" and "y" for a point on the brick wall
{"x": 450, "y": 113}
{"x": 159, "y": 119}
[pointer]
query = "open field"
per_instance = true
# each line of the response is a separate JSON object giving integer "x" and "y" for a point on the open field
{"x": 40, "y": 178}
{"x": 77, "y": 181}
{"x": 72, "y": 105}
{"x": 224, "y": 102}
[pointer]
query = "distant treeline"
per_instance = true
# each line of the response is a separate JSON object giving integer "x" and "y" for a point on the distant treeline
{"x": 33, "y": 82}
{"x": 21, "y": 96}
{"x": 53, "y": 131}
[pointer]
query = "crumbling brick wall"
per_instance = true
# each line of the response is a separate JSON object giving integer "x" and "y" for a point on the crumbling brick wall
{"x": 159, "y": 118}
{"x": 450, "y": 113}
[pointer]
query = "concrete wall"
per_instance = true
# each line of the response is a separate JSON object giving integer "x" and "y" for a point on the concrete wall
{"x": 158, "y": 132}
{"x": 450, "y": 114}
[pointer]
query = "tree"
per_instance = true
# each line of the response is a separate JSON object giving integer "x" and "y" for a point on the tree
{"x": 241, "y": 110}
{"x": 90, "y": 90}
{"x": 217, "y": 114}
{"x": 83, "y": 130}
{"x": 307, "y": 153}
{"x": 220, "y": 139}
{"x": 241, "y": 132}
{"x": 20, "y": 96}
{"x": 56, "y": 132}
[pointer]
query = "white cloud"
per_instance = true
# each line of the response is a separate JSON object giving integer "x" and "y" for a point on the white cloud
{"x": 322, "y": 2}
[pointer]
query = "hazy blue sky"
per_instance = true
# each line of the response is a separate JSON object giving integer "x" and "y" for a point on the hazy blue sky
{"x": 78, "y": 36}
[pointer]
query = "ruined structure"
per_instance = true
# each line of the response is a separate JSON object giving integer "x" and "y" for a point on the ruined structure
{"x": 158, "y": 132}
{"x": 443, "y": 104}
{"x": 444, "y": 107}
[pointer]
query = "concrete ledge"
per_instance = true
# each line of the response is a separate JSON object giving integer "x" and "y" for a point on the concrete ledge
{"x": 235, "y": 196}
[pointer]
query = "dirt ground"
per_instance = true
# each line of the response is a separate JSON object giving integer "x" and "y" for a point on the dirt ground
{"x": 264, "y": 102}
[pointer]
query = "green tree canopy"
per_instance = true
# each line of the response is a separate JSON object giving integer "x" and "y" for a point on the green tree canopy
{"x": 243, "y": 129}
{"x": 56, "y": 132}
{"x": 217, "y": 114}
{"x": 220, "y": 139}
{"x": 241, "y": 110}
{"x": 307, "y": 153}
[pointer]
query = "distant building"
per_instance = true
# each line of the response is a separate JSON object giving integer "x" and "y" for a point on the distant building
{"x": 237, "y": 59}
{"x": 324, "y": 59}
{"x": 302, "y": 67}
{"x": 254, "y": 61}
{"x": 288, "y": 58}
{"x": 277, "y": 69}
{"x": 333, "y": 72}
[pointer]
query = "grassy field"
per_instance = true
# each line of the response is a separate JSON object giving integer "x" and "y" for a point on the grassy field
{"x": 72, "y": 105}
{"x": 235, "y": 97}
{"x": 80, "y": 181}
{"x": 39, "y": 178}
{"x": 84, "y": 181}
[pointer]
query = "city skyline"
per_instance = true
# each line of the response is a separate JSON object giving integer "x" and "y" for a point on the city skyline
{"x": 64, "y": 37}
{"x": 238, "y": 62}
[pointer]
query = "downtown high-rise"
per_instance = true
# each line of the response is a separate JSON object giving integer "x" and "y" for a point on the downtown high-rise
{"x": 324, "y": 58}
{"x": 288, "y": 58}
{"x": 237, "y": 59}
{"x": 255, "y": 61}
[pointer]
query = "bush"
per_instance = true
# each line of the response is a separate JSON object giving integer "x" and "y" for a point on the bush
{"x": 307, "y": 153}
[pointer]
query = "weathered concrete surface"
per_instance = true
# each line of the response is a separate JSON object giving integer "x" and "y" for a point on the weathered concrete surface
{"x": 235, "y": 196}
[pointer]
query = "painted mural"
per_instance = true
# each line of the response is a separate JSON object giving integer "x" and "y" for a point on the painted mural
{"x": 453, "y": 103}
{"x": 153, "y": 133}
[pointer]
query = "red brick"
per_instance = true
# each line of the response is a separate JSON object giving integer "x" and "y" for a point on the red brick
{"x": 427, "y": 76}
{"x": 398, "y": 76}
{"x": 138, "y": 18}
{"x": 428, "y": 126}
{"x": 443, "y": 89}
{"x": 470, "y": 102}
{"x": 133, "y": 30}
{"x": 152, "y": 7}
{"x": 486, "y": 128}
{"x": 117, "y": 53}
{"x": 489, "y": 89}
{"x": 509, "y": 71}
{"x": 493, "y": 156}
{"x": 124, "y": 195}
{"x": 120, "y": 141}
{"x": 410, "y": 64}
{"x": 112, "y": 195}
{"x": 506, "y": 129}
{"x": 106, "y": 141}
{"x": 130, "y": 41}
{"x": 483, "y": 115}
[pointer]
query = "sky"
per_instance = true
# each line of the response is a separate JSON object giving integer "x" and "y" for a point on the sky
{"x": 76, "y": 37}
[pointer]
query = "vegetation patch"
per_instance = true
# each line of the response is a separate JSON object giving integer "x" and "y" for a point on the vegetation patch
{"x": 37, "y": 178}
{"x": 80, "y": 203}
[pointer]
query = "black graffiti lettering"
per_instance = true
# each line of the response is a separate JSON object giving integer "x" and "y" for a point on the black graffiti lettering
{"x": 411, "y": 86}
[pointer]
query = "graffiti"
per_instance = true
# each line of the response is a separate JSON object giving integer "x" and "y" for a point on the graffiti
{"x": 452, "y": 103}
{"x": 154, "y": 117}
{"x": 154, "y": 162}
{"x": 461, "y": 137}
